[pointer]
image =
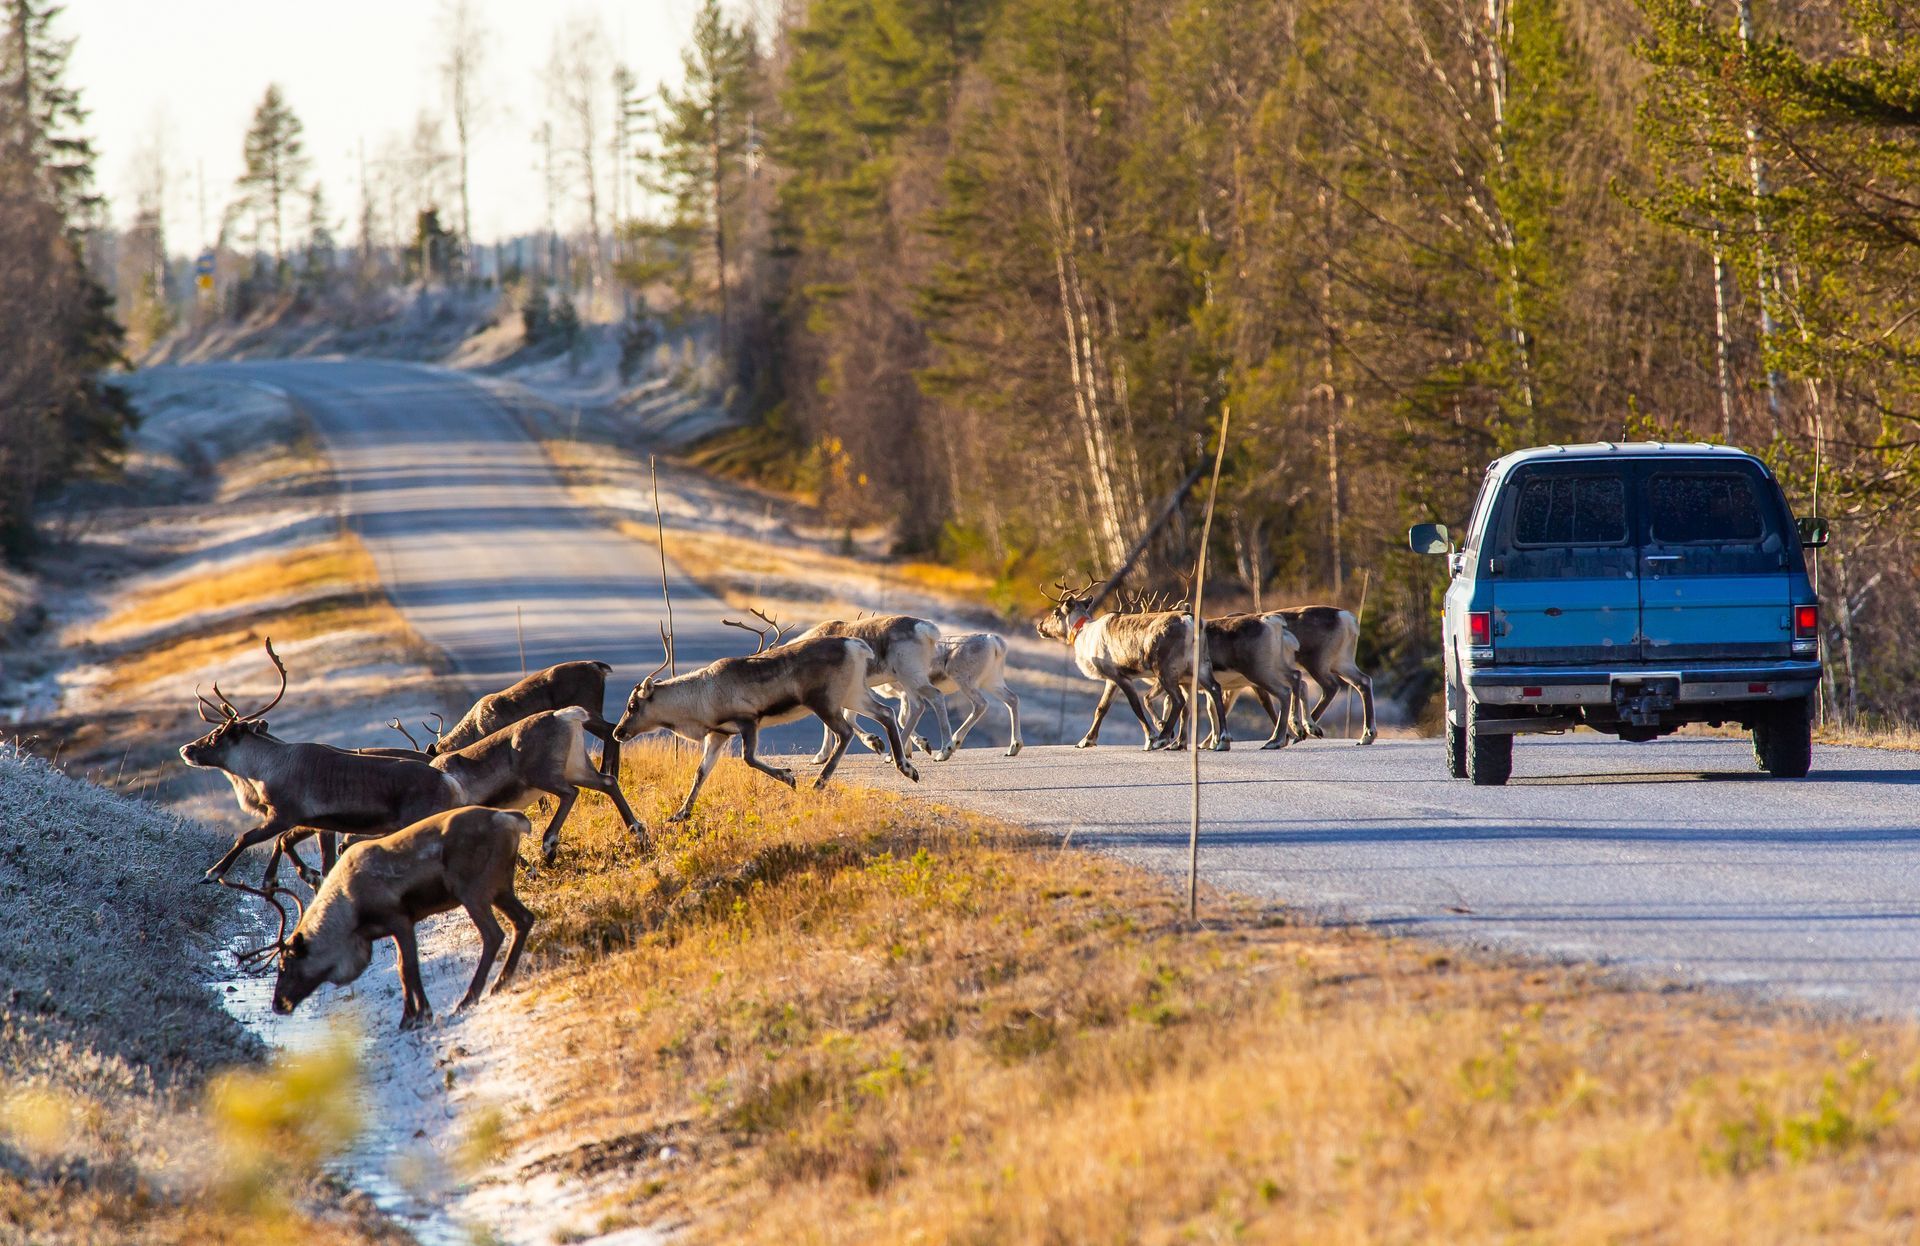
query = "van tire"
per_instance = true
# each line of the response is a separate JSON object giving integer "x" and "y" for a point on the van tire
{"x": 1489, "y": 757}
{"x": 1456, "y": 733}
{"x": 1783, "y": 740}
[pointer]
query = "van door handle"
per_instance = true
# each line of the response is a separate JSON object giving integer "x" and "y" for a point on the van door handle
{"x": 1662, "y": 557}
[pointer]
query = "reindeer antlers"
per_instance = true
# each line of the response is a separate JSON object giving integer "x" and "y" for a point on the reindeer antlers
{"x": 777, "y": 632}
{"x": 226, "y": 708}
{"x": 666, "y": 642}
{"x": 251, "y": 957}
{"x": 438, "y": 727}
{"x": 401, "y": 727}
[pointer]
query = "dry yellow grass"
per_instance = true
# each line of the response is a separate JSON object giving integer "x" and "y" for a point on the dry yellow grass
{"x": 210, "y": 648}
{"x": 864, "y": 1019}
{"x": 338, "y": 565}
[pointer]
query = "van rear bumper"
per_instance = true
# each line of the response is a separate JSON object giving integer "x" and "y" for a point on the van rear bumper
{"x": 1560, "y": 685}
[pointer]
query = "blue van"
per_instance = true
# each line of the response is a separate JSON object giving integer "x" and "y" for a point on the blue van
{"x": 1630, "y": 589}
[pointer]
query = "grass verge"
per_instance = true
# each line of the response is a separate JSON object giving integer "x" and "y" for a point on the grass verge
{"x": 855, "y": 1017}
{"x": 338, "y": 565}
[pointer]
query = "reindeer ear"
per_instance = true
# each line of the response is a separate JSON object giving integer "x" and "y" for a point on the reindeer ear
{"x": 298, "y": 944}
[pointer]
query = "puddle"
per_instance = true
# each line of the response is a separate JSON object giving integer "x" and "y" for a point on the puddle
{"x": 399, "y": 1159}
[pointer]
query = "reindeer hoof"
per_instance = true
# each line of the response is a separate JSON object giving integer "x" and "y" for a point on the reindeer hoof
{"x": 874, "y": 743}
{"x": 1276, "y": 742}
{"x": 920, "y": 742}
{"x": 1085, "y": 742}
{"x": 1222, "y": 745}
{"x": 907, "y": 768}
{"x": 945, "y": 754}
{"x": 1154, "y": 746}
{"x": 549, "y": 849}
{"x": 639, "y": 830}
{"x": 1369, "y": 737}
{"x": 1013, "y": 750}
{"x": 680, "y": 816}
{"x": 1317, "y": 732}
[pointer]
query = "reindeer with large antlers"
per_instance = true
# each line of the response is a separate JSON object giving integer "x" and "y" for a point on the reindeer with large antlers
{"x": 297, "y": 789}
{"x": 735, "y": 697}
{"x": 1120, "y": 648}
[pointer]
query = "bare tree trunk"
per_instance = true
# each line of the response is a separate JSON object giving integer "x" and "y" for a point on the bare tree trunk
{"x": 1721, "y": 345}
{"x": 1766, "y": 279}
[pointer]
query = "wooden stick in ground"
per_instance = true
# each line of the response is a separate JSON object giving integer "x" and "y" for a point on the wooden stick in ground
{"x": 1193, "y": 690}
{"x": 1359, "y": 620}
{"x": 660, "y": 540}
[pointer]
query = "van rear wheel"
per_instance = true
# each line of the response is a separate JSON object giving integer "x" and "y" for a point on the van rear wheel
{"x": 1456, "y": 734}
{"x": 1489, "y": 757}
{"x": 1783, "y": 740}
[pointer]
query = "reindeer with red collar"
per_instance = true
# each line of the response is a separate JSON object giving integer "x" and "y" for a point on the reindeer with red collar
{"x": 1120, "y": 648}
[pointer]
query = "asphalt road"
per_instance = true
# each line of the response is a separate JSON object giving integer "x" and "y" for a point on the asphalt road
{"x": 1675, "y": 858}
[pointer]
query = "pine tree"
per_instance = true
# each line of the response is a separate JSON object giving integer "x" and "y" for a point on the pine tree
{"x": 276, "y": 171}
{"x": 708, "y": 150}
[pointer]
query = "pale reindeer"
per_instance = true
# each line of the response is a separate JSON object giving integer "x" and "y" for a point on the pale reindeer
{"x": 1120, "y": 648}
{"x": 970, "y": 664}
{"x": 903, "y": 657}
{"x": 735, "y": 697}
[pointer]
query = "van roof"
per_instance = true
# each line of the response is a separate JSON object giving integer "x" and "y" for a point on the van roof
{"x": 1622, "y": 449}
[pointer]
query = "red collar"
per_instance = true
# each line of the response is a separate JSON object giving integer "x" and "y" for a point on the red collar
{"x": 1073, "y": 633}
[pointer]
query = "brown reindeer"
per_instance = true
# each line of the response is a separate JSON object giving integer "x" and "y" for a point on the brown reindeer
{"x": 297, "y": 789}
{"x": 826, "y": 677}
{"x": 543, "y": 753}
{"x": 1120, "y": 648}
{"x": 569, "y": 683}
{"x": 461, "y": 858}
{"x": 1254, "y": 652}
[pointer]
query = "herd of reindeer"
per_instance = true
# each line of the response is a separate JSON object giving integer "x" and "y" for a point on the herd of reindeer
{"x": 439, "y": 826}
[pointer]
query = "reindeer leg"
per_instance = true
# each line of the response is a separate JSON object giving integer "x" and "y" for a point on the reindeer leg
{"x": 750, "y": 742}
{"x": 610, "y": 788}
{"x": 898, "y": 754}
{"x": 602, "y": 730}
{"x": 1009, "y": 699}
{"x": 1359, "y": 682}
{"x": 1329, "y": 685}
{"x": 1100, "y": 713}
{"x": 1216, "y": 703}
{"x": 241, "y": 842}
{"x": 550, "y": 838}
{"x": 836, "y": 721}
{"x": 287, "y": 844}
{"x": 522, "y": 919}
{"x": 1282, "y": 724}
{"x": 711, "y": 747}
{"x": 329, "y": 851}
{"x": 1172, "y": 735}
{"x": 412, "y": 990}
{"x": 976, "y": 710}
{"x": 826, "y": 747}
{"x": 490, "y": 937}
{"x": 908, "y": 724}
{"x": 932, "y": 696}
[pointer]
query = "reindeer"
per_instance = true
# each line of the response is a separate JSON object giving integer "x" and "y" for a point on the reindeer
{"x": 541, "y": 753}
{"x": 1253, "y": 651}
{"x": 459, "y": 858}
{"x": 1328, "y": 638}
{"x": 1120, "y": 648}
{"x": 297, "y": 789}
{"x": 570, "y": 683}
{"x": 903, "y": 649}
{"x": 825, "y": 676}
{"x": 966, "y": 664}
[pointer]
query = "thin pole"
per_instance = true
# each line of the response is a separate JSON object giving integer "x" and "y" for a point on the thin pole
{"x": 1360, "y": 617}
{"x": 1199, "y": 628}
{"x": 660, "y": 539}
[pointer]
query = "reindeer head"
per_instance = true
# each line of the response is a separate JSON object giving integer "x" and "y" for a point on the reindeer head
{"x": 640, "y": 716}
{"x": 306, "y": 962}
{"x": 231, "y": 728}
{"x": 1071, "y": 610}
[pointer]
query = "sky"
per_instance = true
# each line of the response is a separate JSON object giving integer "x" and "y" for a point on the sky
{"x": 183, "y": 77}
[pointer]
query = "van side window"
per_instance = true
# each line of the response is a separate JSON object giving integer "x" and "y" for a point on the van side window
{"x": 1571, "y": 510}
{"x": 1698, "y": 508}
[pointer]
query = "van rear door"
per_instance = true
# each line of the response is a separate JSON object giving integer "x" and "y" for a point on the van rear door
{"x": 1715, "y": 561}
{"x": 1566, "y": 564}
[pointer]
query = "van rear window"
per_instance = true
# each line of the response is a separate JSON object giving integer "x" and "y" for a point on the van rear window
{"x": 1698, "y": 508}
{"x": 1571, "y": 510}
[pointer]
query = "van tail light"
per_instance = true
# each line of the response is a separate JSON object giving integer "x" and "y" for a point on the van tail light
{"x": 1806, "y": 622}
{"x": 1480, "y": 627}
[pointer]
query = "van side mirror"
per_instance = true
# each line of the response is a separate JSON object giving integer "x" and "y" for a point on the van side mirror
{"x": 1429, "y": 538}
{"x": 1813, "y": 531}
